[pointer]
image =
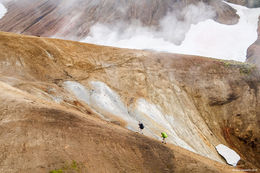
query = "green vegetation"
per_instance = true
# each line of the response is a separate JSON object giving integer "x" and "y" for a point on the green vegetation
{"x": 56, "y": 171}
{"x": 244, "y": 68}
{"x": 73, "y": 167}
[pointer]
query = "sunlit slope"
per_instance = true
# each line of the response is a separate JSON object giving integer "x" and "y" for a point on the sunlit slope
{"x": 40, "y": 136}
{"x": 199, "y": 102}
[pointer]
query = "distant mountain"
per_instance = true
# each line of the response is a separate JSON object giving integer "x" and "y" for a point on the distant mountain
{"x": 247, "y": 3}
{"x": 72, "y": 19}
{"x": 253, "y": 52}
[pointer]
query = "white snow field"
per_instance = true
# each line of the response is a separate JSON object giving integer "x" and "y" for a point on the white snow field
{"x": 109, "y": 105}
{"x": 101, "y": 98}
{"x": 207, "y": 38}
{"x": 230, "y": 155}
{"x": 3, "y": 10}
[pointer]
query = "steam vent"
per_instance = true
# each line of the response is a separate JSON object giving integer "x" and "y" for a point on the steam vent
{"x": 129, "y": 86}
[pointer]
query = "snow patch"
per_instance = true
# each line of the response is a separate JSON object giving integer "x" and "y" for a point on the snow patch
{"x": 159, "y": 122}
{"x": 3, "y": 10}
{"x": 230, "y": 155}
{"x": 107, "y": 103}
{"x": 104, "y": 99}
{"x": 78, "y": 90}
{"x": 206, "y": 38}
{"x": 101, "y": 98}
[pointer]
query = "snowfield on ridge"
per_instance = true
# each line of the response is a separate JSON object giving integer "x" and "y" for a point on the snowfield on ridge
{"x": 207, "y": 38}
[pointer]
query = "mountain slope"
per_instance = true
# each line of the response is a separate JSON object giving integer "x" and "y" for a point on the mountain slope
{"x": 40, "y": 136}
{"x": 253, "y": 52}
{"x": 199, "y": 102}
{"x": 173, "y": 26}
{"x": 247, "y": 3}
{"x": 72, "y": 19}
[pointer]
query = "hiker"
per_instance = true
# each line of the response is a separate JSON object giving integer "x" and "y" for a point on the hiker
{"x": 141, "y": 127}
{"x": 164, "y": 136}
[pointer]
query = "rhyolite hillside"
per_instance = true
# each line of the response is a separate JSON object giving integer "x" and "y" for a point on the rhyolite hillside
{"x": 65, "y": 103}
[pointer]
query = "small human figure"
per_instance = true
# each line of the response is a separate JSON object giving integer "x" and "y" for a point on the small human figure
{"x": 164, "y": 136}
{"x": 141, "y": 127}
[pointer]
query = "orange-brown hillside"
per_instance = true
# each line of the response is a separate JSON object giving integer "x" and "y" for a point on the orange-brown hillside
{"x": 44, "y": 126}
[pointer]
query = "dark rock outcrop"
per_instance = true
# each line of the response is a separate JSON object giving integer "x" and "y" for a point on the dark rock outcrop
{"x": 253, "y": 52}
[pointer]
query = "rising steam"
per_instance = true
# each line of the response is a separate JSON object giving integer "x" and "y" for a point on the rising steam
{"x": 193, "y": 33}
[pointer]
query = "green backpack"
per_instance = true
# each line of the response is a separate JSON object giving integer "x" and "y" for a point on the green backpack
{"x": 164, "y": 135}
